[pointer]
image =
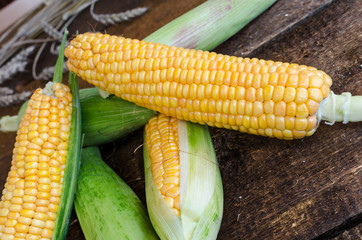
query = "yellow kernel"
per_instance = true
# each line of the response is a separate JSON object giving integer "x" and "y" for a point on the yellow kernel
{"x": 278, "y": 134}
{"x": 301, "y": 95}
{"x": 278, "y": 93}
{"x": 250, "y": 94}
{"x": 315, "y": 82}
{"x": 301, "y": 124}
{"x": 289, "y": 94}
{"x": 288, "y": 135}
{"x": 47, "y": 233}
{"x": 273, "y": 78}
{"x": 280, "y": 108}
{"x": 270, "y": 120}
{"x": 289, "y": 123}
{"x": 312, "y": 106}
{"x": 291, "y": 109}
{"x": 37, "y": 223}
{"x": 282, "y": 79}
{"x": 268, "y": 106}
{"x": 315, "y": 94}
{"x": 239, "y": 93}
{"x": 26, "y": 213}
{"x": 257, "y": 108}
{"x": 325, "y": 90}
{"x": 298, "y": 134}
{"x": 21, "y": 228}
{"x": 246, "y": 122}
{"x": 302, "y": 110}
{"x": 312, "y": 123}
{"x": 36, "y": 231}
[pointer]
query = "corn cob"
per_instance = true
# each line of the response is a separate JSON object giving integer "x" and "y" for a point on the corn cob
{"x": 163, "y": 144}
{"x": 108, "y": 211}
{"x": 256, "y": 96}
{"x": 40, "y": 187}
{"x": 183, "y": 183}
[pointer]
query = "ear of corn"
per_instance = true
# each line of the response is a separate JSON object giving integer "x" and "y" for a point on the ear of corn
{"x": 183, "y": 183}
{"x": 256, "y": 96}
{"x": 106, "y": 206}
{"x": 40, "y": 187}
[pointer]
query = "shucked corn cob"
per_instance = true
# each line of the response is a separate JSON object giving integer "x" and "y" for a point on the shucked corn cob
{"x": 40, "y": 187}
{"x": 256, "y": 96}
{"x": 183, "y": 183}
{"x": 162, "y": 140}
{"x": 31, "y": 196}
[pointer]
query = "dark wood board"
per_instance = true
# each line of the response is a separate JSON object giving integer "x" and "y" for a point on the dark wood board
{"x": 273, "y": 189}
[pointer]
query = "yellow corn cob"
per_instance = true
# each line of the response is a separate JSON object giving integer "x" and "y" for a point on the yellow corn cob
{"x": 250, "y": 95}
{"x": 31, "y": 196}
{"x": 162, "y": 141}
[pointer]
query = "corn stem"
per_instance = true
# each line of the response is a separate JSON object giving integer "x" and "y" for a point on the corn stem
{"x": 341, "y": 108}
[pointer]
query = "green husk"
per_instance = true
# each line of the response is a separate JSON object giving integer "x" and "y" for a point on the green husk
{"x": 105, "y": 120}
{"x": 209, "y": 24}
{"x": 9, "y": 123}
{"x": 74, "y": 148}
{"x": 106, "y": 206}
{"x": 201, "y": 193}
{"x": 72, "y": 164}
{"x": 58, "y": 71}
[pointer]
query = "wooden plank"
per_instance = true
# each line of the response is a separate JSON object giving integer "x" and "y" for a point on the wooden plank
{"x": 273, "y": 189}
{"x": 351, "y": 234}
{"x": 284, "y": 15}
{"x": 15, "y": 10}
{"x": 299, "y": 189}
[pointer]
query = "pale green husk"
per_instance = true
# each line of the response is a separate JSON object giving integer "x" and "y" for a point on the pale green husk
{"x": 201, "y": 193}
{"x": 341, "y": 108}
{"x": 9, "y": 123}
{"x": 209, "y": 24}
{"x": 107, "y": 208}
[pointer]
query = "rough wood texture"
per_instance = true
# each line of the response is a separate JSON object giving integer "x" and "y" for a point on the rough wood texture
{"x": 302, "y": 189}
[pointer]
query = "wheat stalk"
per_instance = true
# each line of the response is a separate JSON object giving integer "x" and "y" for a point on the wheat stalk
{"x": 116, "y": 17}
{"x": 6, "y": 100}
{"x": 48, "y": 72}
{"x": 5, "y": 91}
{"x": 16, "y": 64}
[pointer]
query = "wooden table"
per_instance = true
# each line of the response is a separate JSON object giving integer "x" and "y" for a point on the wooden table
{"x": 273, "y": 189}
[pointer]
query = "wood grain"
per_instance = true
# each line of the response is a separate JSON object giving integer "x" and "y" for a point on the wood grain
{"x": 300, "y": 189}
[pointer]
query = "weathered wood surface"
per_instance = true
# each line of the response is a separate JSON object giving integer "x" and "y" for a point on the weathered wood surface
{"x": 302, "y": 189}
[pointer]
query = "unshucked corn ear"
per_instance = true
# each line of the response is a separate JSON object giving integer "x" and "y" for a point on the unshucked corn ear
{"x": 106, "y": 206}
{"x": 250, "y": 95}
{"x": 39, "y": 191}
{"x": 105, "y": 120}
{"x": 183, "y": 183}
